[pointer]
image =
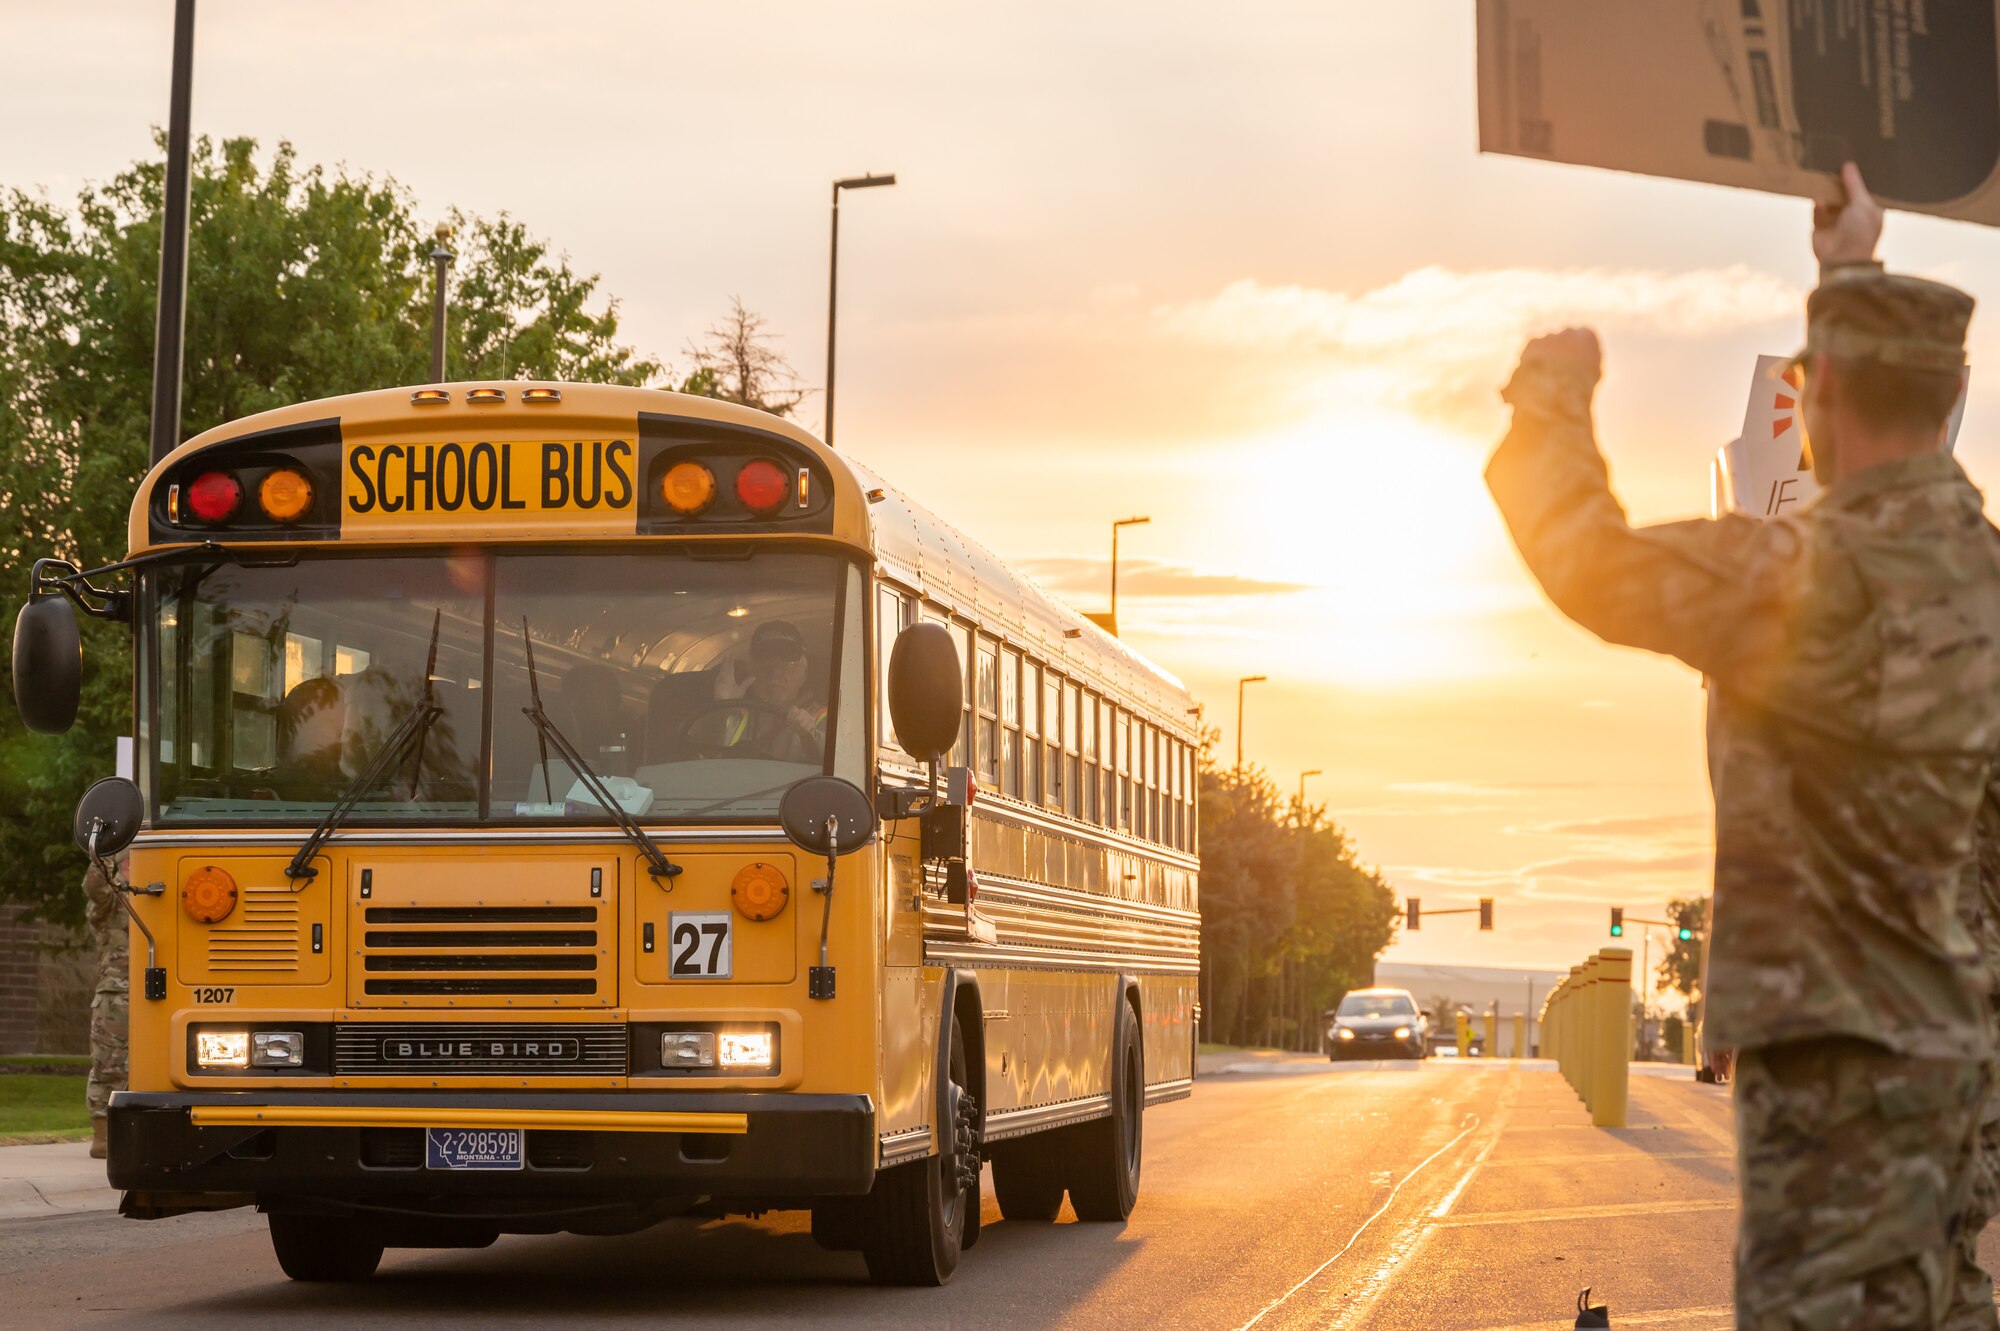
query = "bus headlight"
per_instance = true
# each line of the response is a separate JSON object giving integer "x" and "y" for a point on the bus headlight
{"x": 222, "y": 1049}
{"x": 278, "y": 1049}
{"x": 746, "y": 1049}
{"x": 687, "y": 1049}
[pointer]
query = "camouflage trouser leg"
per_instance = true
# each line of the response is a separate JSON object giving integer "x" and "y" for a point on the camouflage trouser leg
{"x": 108, "y": 1022}
{"x": 1972, "y": 1304}
{"x": 1855, "y": 1166}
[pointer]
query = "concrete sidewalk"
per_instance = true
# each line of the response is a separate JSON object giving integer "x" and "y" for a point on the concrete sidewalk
{"x": 52, "y": 1179}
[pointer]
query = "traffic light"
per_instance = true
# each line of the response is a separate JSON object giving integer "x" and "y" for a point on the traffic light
{"x": 1486, "y": 912}
{"x": 1617, "y": 921}
{"x": 1684, "y": 933}
{"x": 1413, "y": 914}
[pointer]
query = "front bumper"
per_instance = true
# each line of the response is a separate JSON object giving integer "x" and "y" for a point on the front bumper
{"x": 1379, "y": 1047}
{"x": 581, "y": 1146}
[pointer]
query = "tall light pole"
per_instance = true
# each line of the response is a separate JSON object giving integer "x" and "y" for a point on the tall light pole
{"x": 1122, "y": 522}
{"x": 172, "y": 315}
{"x": 1247, "y": 679}
{"x": 833, "y": 279}
{"x": 1302, "y": 791}
{"x": 441, "y": 257}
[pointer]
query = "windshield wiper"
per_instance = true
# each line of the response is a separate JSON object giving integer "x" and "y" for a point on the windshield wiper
{"x": 415, "y": 728}
{"x": 546, "y": 733}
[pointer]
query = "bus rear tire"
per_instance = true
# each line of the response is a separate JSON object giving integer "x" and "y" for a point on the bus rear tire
{"x": 1028, "y": 1177}
{"x": 324, "y": 1248}
{"x": 923, "y": 1211}
{"x": 1104, "y": 1154}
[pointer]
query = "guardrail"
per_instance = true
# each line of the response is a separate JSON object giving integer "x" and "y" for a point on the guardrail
{"x": 1587, "y": 1029}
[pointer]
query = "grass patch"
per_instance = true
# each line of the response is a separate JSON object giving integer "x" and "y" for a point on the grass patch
{"x": 39, "y": 1108}
{"x": 81, "y": 1062}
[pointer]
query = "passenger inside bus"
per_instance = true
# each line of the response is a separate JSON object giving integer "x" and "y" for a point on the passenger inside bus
{"x": 310, "y": 720}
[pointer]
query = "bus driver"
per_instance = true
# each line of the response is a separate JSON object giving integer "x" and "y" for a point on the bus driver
{"x": 774, "y": 719}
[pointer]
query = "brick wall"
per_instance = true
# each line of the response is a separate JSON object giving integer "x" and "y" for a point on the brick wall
{"x": 20, "y": 967}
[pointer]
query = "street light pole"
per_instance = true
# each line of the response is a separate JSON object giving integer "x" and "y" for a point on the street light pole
{"x": 171, "y": 324}
{"x": 1122, "y": 522}
{"x": 1302, "y": 792}
{"x": 441, "y": 257}
{"x": 1247, "y": 679}
{"x": 833, "y": 280}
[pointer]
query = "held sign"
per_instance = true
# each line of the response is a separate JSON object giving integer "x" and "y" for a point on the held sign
{"x": 1767, "y": 470}
{"x": 586, "y": 484}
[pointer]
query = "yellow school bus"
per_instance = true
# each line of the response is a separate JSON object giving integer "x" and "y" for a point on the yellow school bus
{"x": 561, "y": 807}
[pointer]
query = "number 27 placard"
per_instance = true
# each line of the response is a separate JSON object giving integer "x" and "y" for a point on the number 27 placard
{"x": 698, "y": 945}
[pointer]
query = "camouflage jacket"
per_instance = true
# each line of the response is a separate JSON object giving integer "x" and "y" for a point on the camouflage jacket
{"x": 1853, "y": 653}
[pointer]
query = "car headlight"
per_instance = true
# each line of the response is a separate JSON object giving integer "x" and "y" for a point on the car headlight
{"x": 222, "y": 1049}
{"x": 1402, "y": 1032}
{"x": 746, "y": 1049}
{"x": 1343, "y": 1034}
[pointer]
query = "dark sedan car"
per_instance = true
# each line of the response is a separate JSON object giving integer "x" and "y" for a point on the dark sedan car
{"x": 1379, "y": 1023}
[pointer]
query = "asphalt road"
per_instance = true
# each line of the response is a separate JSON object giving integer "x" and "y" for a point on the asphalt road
{"x": 1429, "y": 1196}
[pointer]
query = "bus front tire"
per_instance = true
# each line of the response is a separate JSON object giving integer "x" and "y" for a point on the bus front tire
{"x": 1104, "y": 1154}
{"x": 923, "y": 1211}
{"x": 324, "y": 1248}
{"x": 1028, "y": 1177}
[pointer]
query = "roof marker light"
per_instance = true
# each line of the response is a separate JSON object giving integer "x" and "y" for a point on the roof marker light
{"x": 430, "y": 397}
{"x": 534, "y": 396}
{"x": 483, "y": 395}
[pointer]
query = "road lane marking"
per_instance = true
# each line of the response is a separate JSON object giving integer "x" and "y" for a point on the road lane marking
{"x": 1624, "y": 1157}
{"x": 1355, "y": 1237}
{"x": 1610, "y": 1210}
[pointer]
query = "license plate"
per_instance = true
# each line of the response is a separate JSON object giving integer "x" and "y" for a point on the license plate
{"x": 475, "y": 1148}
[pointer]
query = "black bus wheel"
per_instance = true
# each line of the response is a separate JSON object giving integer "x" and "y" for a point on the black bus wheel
{"x": 324, "y": 1248}
{"x": 922, "y": 1210}
{"x": 1028, "y": 1177}
{"x": 1104, "y": 1154}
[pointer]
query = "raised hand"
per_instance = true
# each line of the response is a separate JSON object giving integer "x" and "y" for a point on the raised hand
{"x": 1846, "y": 231}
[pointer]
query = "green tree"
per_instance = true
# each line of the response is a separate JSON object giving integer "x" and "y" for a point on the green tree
{"x": 1291, "y": 920}
{"x": 1680, "y": 969}
{"x": 302, "y": 283}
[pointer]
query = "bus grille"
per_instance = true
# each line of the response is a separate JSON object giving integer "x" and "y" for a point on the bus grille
{"x": 264, "y": 937}
{"x": 469, "y": 1049}
{"x": 453, "y": 952}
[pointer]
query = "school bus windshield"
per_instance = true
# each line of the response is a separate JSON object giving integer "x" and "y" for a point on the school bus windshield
{"x": 694, "y": 689}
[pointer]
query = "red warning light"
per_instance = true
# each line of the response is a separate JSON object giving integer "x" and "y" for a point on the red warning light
{"x": 762, "y": 486}
{"x": 214, "y": 496}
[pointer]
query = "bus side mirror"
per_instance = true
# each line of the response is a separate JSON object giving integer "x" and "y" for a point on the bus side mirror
{"x": 108, "y": 817}
{"x": 926, "y": 691}
{"x": 48, "y": 664}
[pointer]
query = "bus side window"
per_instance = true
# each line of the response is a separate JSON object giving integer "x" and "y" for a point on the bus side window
{"x": 889, "y": 610}
{"x": 986, "y": 718}
{"x": 1031, "y": 732}
{"x": 1010, "y": 722}
{"x": 1091, "y": 786}
{"x": 1073, "y": 729}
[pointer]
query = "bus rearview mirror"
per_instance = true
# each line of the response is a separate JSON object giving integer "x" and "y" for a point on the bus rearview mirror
{"x": 48, "y": 664}
{"x": 926, "y": 691}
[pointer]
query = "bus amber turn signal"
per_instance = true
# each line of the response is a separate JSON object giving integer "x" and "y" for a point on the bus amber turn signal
{"x": 759, "y": 892}
{"x": 208, "y": 895}
{"x": 688, "y": 488}
{"x": 285, "y": 495}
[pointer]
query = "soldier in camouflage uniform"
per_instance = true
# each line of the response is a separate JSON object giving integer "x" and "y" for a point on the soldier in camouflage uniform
{"x": 1979, "y": 908}
{"x": 109, "y": 1015}
{"x": 1853, "y": 653}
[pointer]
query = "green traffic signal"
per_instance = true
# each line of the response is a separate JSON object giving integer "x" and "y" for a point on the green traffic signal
{"x": 1684, "y": 933}
{"x": 1617, "y": 921}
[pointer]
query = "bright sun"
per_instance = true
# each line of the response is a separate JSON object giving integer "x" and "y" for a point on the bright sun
{"x": 1393, "y": 529}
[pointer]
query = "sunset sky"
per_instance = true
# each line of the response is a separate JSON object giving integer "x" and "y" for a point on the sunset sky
{"x": 1237, "y": 267}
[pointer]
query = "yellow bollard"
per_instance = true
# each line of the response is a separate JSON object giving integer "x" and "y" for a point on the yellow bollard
{"x": 1520, "y": 1035}
{"x": 1464, "y": 1036}
{"x": 1586, "y": 1031}
{"x": 1492, "y": 1033}
{"x": 1687, "y": 1042}
{"x": 1611, "y": 1056}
